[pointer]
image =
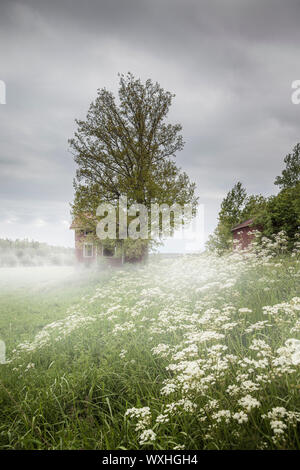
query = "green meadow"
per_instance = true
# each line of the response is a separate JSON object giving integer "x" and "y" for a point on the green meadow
{"x": 193, "y": 352}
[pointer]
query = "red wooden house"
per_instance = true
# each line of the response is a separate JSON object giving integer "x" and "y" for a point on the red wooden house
{"x": 243, "y": 233}
{"x": 85, "y": 249}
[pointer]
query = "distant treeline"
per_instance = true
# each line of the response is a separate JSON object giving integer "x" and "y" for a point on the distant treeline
{"x": 31, "y": 253}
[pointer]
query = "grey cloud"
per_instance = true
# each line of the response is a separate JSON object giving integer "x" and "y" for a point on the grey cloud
{"x": 231, "y": 65}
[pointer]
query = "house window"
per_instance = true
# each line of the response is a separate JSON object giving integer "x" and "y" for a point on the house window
{"x": 88, "y": 250}
{"x": 85, "y": 233}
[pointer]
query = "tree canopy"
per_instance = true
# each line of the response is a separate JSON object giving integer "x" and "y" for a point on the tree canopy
{"x": 232, "y": 204}
{"x": 229, "y": 215}
{"x": 291, "y": 174}
{"x": 282, "y": 212}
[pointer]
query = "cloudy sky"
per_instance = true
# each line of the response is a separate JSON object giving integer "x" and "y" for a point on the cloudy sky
{"x": 231, "y": 65}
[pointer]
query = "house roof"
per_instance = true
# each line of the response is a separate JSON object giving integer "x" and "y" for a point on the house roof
{"x": 247, "y": 223}
{"x": 77, "y": 223}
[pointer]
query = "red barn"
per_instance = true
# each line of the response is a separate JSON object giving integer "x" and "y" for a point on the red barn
{"x": 243, "y": 233}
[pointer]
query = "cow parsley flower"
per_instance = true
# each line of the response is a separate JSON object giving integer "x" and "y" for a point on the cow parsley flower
{"x": 248, "y": 402}
{"x": 148, "y": 435}
{"x": 241, "y": 417}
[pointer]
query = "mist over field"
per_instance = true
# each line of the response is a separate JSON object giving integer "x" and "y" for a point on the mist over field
{"x": 37, "y": 277}
{"x": 31, "y": 253}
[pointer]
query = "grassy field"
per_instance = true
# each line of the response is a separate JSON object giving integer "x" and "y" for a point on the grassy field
{"x": 196, "y": 352}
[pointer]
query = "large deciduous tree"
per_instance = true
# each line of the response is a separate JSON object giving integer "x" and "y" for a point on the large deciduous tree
{"x": 290, "y": 176}
{"x": 126, "y": 146}
{"x": 232, "y": 205}
{"x": 229, "y": 215}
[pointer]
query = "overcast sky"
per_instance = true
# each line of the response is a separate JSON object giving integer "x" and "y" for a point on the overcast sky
{"x": 230, "y": 63}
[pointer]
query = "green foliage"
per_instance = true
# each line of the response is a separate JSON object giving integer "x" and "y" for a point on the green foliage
{"x": 230, "y": 214}
{"x": 273, "y": 214}
{"x": 232, "y": 205}
{"x": 135, "y": 250}
{"x": 290, "y": 176}
{"x": 255, "y": 205}
{"x": 282, "y": 212}
{"x": 221, "y": 240}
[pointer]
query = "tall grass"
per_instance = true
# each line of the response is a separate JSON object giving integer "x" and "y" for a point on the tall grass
{"x": 197, "y": 352}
